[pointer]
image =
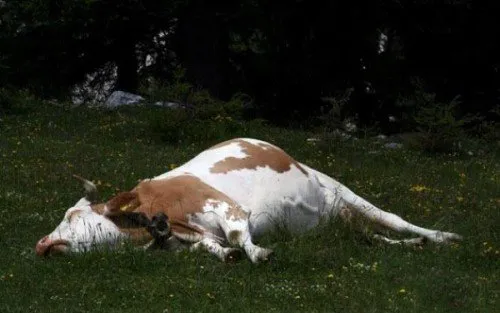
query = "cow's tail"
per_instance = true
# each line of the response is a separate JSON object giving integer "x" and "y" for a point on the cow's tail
{"x": 340, "y": 200}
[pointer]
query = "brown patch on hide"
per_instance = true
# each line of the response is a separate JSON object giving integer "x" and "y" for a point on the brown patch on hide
{"x": 98, "y": 208}
{"x": 234, "y": 237}
{"x": 177, "y": 197}
{"x": 183, "y": 227}
{"x": 258, "y": 155}
{"x": 73, "y": 213}
{"x": 236, "y": 213}
{"x": 123, "y": 202}
{"x": 346, "y": 215}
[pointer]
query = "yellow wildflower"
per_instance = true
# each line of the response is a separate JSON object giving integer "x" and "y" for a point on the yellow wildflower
{"x": 418, "y": 188}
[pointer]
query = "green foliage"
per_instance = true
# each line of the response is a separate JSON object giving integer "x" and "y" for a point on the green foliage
{"x": 204, "y": 118}
{"x": 51, "y": 45}
{"x": 489, "y": 129}
{"x": 204, "y": 124}
{"x": 439, "y": 127}
{"x": 16, "y": 101}
{"x": 177, "y": 89}
{"x": 278, "y": 53}
{"x": 335, "y": 114}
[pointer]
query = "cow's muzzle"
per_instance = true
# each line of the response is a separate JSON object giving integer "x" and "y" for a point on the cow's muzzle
{"x": 46, "y": 246}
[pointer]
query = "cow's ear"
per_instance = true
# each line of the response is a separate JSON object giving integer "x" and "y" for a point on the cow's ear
{"x": 123, "y": 202}
{"x": 130, "y": 220}
{"x": 83, "y": 203}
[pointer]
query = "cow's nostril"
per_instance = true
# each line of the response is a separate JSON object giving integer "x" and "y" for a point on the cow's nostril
{"x": 46, "y": 246}
{"x": 56, "y": 249}
{"x": 41, "y": 246}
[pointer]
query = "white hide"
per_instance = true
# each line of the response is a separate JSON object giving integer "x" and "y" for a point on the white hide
{"x": 83, "y": 230}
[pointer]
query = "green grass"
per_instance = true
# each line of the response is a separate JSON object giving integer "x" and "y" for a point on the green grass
{"x": 329, "y": 269}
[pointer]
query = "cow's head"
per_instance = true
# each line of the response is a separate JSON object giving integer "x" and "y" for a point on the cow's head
{"x": 83, "y": 228}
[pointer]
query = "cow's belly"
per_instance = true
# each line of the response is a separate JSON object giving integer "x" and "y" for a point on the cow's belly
{"x": 295, "y": 215}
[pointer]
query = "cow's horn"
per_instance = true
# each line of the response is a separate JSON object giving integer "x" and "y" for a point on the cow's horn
{"x": 90, "y": 188}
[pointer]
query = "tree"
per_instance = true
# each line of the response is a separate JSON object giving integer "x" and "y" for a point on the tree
{"x": 53, "y": 44}
{"x": 455, "y": 50}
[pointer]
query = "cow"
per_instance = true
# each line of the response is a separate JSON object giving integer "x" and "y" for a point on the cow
{"x": 221, "y": 201}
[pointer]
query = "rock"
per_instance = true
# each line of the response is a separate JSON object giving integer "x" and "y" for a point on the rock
{"x": 393, "y": 145}
{"x": 313, "y": 139}
{"x": 121, "y": 98}
{"x": 169, "y": 104}
{"x": 350, "y": 127}
{"x": 342, "y": 135}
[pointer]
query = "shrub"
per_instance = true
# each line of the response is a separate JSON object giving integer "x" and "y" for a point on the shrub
{"x": 200, "y": 101}
{"x": 181, "y": 126}
{"x": 177, "y": 90}
{"x": 439, "y": 126}
{"x": 333, "y": 116}
{"x": 204, "y": 117}
{"x": 15, "y": 101}
{"x": 489, "y": 129}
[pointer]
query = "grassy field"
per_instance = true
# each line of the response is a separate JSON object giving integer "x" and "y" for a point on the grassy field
{"x": 330, "y": 269}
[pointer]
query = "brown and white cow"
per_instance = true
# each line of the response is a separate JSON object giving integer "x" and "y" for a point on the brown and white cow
{"x": 220, "y": 201}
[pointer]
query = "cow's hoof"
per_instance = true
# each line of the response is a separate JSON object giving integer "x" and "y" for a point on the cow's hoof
{"x": 261, "y": 255}
{"x": 233, "y": 255}
{"x": 159, "y": 227}
{"x": 446, "y": 238}
{"x": 270, "y": 258}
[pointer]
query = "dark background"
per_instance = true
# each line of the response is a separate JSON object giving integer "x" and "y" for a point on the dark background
{"x": 285, "y": 56}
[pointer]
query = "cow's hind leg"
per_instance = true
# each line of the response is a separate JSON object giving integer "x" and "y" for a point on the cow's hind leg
{"x": 361, "y": 207}
{"x": 223, "y": 253}
{"x": 241, "y": 237}
{"x": 361, "y": 223}
{"x": 237, "y": 231}
{"x": 409, "y": 242}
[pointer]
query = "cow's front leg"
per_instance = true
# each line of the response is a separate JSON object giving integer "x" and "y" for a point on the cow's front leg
{"x": 236, "y": 228}
{"x": 223, "y": 253}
